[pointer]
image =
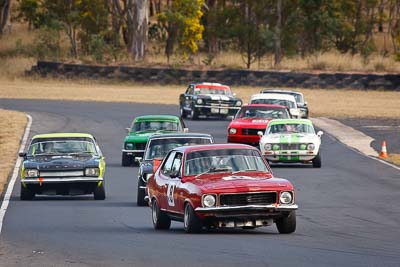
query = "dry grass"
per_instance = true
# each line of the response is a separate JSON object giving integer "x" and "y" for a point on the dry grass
{"x": 12, "y": 126}
{"x": 331, "y": 103}
{"x": 394, "y": 158}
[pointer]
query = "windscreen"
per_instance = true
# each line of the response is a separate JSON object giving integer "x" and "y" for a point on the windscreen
{"x": 158, "y": 148}
{"x": 271, "y": 101}
{"x": 61, "y": 147}
{"x": 144, "y": 126}
{"x": 232, "y": 160}
{"x": 290, "y": 128}
{"x": 213, "y": 91}
{"x": 263, "y": 113}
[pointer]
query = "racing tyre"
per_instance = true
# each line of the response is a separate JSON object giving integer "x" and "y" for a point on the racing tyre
{"x": 160, "y": 219}
{"x": 193, "y": 114}
{"x": 316, "y": 162}
{"x": 191, "y": 223}
{"x": 99, "y": 192}
{"x": 126, "y": 160}
{"x": 26, "y": 194}
{"x": 182, "y": 112}
{"x": 287, "y": 225}
{"x": 141, "y": 193}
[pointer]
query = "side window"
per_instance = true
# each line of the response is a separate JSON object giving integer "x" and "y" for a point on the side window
{"x": 166, "y": 168}
{"x": 176, "y": 165}
{"x": 190, "y": 90}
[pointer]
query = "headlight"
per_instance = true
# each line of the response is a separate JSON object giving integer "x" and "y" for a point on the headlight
{"x": 199, "y": 101}
{"x": 92, "y": 171}
{"x": 267, "y": 146}
{"x": 232, "y": 131}
{"x": 285, "y": 198}
{"x": 29, "y": 173}
{"x": 310, "y": 147}
{"x": 208, "y": 200}
{"x": 128, "y": 146}
{"x": 238, "y": 103}
{"x": 275, "y": 147}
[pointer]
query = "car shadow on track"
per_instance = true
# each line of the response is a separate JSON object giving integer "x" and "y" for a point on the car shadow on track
{"x": 291, "y": 166}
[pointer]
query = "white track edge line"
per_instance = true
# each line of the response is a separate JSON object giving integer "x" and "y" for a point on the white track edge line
{"x": 14, "y": 176}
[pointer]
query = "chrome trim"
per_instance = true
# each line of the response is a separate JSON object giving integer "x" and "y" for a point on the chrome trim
{"x": 60, "y": 180}
{"x": 132, "y": 151}
{"x": 61, "y": 173}
{"x": 201, "y": 106}
{"x": 142, "y": 187}
{"x": 279, "y": 207}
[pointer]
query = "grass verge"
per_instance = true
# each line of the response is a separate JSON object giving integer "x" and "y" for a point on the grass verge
{"x": 12, "y": 125}
{"x": 394, "y": 158}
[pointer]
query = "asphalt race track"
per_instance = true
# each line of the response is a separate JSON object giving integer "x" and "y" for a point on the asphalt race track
{"x": 349, "y": 212}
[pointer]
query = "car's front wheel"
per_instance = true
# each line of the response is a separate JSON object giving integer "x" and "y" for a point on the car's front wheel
{"x": 99, "y": 192}
{"x": 126, "y": 159}
{"x": 194, "y": 114}
{"x": 317, "y": 162}
{"x": 287, "y": 224}
{"x": 191, "y": 223}
{"x": 140, "y": 194}
{"x": 160, "y": 219}
{"x": 182, "y": 112}
{"x": 26, "y": 194}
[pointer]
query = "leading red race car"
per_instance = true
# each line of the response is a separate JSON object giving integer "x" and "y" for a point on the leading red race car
{"x": 251, "y": 119}
{"x": 219, "y": 186}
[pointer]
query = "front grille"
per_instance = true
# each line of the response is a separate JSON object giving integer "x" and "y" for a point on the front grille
{"x": 247, "y": 199}
{"x": 61, "y": 173}
{"x": 218, "y": 103}
{"x": 140, "y": 146}
{"x": 290, "y": 146}
{"x": 251, "y": 131}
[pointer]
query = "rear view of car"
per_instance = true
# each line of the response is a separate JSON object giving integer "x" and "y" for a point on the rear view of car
{"x": 63, "y": 164}
{"x": 277, "y": 99}
{"x": 301, "y": 103}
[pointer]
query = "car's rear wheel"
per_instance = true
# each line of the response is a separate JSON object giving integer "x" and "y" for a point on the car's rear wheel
{"x": 287, "y": 224}
{"x": 182, "y": 112}
{"x": 317, "y": 162}
{"x": 191, "y": 223}
{"x": 126, "y": 159}
{"x": 140, "y": 194}
{"x": 99, "y": 192}
{"x": 194, "y": 114}
{"x": 160, "y": 219}
{"x": 26, "y": 194}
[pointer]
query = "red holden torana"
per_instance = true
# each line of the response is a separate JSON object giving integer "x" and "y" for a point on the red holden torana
{"x": 251, "y": 119}
{"x": 219, "y": 186}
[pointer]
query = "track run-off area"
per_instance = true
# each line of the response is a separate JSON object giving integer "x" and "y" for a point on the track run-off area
{"x": 348, "y": 210}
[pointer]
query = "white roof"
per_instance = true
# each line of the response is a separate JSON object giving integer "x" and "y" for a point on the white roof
{"x": 273, "y": 96}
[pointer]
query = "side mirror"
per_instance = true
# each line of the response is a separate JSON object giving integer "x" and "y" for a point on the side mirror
{"x": 185, "y": 130}
{"x": 260, "y": 133}
{"x": 128, "y": 129}
{"x": 174, "y": 174}
{"x": 320, "y": 133}
{"x": 138, "y": 159}
{"x": 305, "y": 103}
{"x": 22, "y": 154}
{"x": 234, "y": 94}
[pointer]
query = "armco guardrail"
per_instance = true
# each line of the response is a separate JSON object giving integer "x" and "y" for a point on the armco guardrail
{"x": 230, "y": 77}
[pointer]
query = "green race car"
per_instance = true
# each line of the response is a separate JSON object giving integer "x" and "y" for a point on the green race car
{"x": 291, "y": 140}
{"x": 63, "y": 164}
{"x": 142, "y": 128}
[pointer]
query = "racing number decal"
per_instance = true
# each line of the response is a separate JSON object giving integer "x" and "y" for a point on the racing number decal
{"x": 170, "y": 195}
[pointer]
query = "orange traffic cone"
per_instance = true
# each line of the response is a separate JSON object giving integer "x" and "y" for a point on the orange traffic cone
{"x": 383, "y": 153}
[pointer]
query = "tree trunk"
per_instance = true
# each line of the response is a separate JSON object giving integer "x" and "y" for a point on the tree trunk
{"x": 278, "y": 29}
{"x": 4, "y": 14}
{"x": 139, "y": 18}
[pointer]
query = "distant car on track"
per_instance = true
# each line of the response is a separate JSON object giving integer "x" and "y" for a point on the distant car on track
{"x": 208, "y": 99}
{"x": 301, "y": 103}
{"x": 291, "y": 140}
{"x": 251, "y": 119}
{"x": 142, "y": 128}
{"x": 63, "y": 164}
{"x": 220, "y": 186}
{"x": 277, "y": 99}
{"x": 157, "y": 147}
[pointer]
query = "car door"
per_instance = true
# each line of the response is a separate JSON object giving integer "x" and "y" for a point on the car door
{"x": 163, "y": 180}
{"x": 174, "y": 184}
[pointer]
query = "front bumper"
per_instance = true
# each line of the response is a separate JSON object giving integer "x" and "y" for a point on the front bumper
{"x": 52, "y": 180}
{"x": 247, "y": 209}
{"x": 290, "y": 155}
{"x": 216, "y": 110}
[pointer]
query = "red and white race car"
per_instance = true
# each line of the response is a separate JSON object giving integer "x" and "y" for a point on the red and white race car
{"x": 251, "y": 119}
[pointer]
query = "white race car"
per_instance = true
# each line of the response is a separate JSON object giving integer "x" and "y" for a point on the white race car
{"x": 291, "y": 140}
